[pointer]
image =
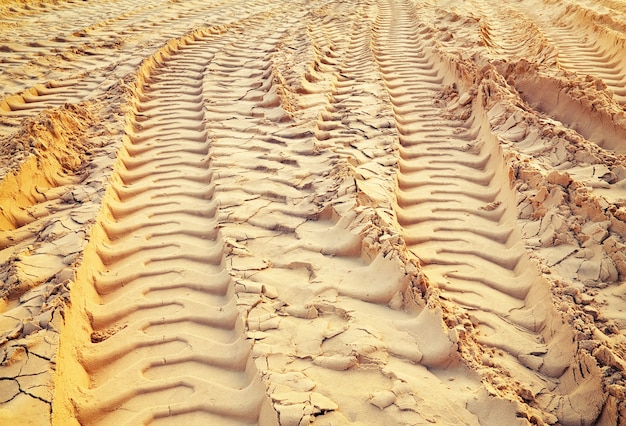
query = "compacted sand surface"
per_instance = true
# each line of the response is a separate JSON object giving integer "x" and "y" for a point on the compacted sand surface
{"x": 360, "y": 212}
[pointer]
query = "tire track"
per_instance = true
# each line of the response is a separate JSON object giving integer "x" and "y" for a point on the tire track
{"x": 79, "y": 46}
{"x": 524, "y": 41}
{"x": 247, "y": 266}
{"x": 538, "y": 51}
{"x": 22, "y": 17}
{"x": 459, "y": 221}
{"x": 359, "y": 129}
{"x": 83, "y": 63}
{"x": 591, "y": 56}
{"x": 78, "y": 59}
{"x": 54, "y": 95}
{"x": 300, "y": 270}
{"x": 166, "y": 340}
{"x": 60, "y": 131}
{"x": 593, "y": 49}
{"x": 254, "y": 141}
{"x": 50, "y": 95}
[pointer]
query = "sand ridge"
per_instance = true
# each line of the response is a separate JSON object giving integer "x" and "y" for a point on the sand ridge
{"x": 378, "y": 212}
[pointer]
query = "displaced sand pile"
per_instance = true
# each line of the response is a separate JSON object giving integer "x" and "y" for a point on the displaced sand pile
{"x": 362, "y": 212}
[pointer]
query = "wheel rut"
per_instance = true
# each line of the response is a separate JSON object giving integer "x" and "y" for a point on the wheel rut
{"x": 591, "y": 48}
{"x": 83, "y": 65}
{"x": 266, "y": 213}
{"x": 524, "y": 41}
{"x": 538, "y": 57}
{"x": 296, "y": 249}
{"x": 167, "y": 342}
{"x": 446, "y": 175}
{"x": 460, "y": 222}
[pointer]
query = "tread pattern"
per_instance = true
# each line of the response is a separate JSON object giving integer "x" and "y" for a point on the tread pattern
{"x": 524, "y": 41}
{"x": 457, "y": 219}
{"x": 309, "y": 344}
{"x": 167, "y": 337}
{"x": 584, "y": 41}
{"x": 80, "y": 50}
{"x": 309, "y": 196}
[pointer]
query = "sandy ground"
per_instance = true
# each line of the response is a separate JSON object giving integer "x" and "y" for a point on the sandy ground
{"x": 373, "y": 212}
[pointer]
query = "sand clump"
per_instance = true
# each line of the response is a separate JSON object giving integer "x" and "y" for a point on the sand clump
{"x": 378, "y": 212}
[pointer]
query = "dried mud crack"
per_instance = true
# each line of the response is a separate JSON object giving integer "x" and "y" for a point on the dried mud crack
{"x": 312, "y": 212}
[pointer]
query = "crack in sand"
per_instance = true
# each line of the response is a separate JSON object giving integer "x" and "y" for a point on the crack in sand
{"x": 312, "y": 153}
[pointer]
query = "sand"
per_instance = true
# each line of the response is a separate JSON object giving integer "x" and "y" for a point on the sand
{"x": 313, "y": 212}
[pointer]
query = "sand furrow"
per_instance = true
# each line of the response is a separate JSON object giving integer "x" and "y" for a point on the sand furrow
{"x": 46, "y": 217}
{"x": 255, "y": 141}
{"x": 358, "y": 212}
{"x": 72, "y": 67}
{"x": 323, "y": 307}
{"x": 54, "y": 173}
{"x": 164, "y": 327}
{"x": 523, "y": 40}
{"x": 75, "y": 40}
{"x": 532, "y": 56}
{"x": 458, "y": 218}
{"x": 539, "y": 54}
{"x": 586, "y": 47}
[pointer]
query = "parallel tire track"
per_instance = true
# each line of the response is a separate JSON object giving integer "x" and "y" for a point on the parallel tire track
{"x": 597, "y": 51}
{"x": 167, "y": 339}
{"x": 352, "y": 120}
{"x": 285, "y": 247}
{"x": 284, "y": 170}
{"x": 264, "y": 166}
{"x": 590, "y": 57}
{"x": 83, "y": 60}
{"x": 540, "y": 54}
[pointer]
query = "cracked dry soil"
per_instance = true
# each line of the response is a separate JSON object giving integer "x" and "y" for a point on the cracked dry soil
{"x": 312, "y": 212}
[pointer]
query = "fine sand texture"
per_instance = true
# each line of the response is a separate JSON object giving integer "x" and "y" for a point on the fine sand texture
{"x": 312, "y": 212}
